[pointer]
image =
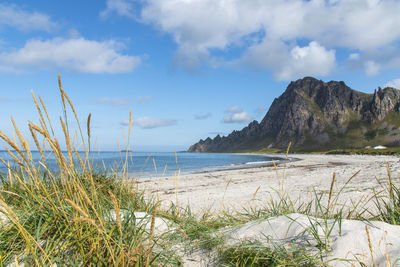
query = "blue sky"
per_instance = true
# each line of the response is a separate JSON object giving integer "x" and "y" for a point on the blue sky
{"x": 188, "y": 69}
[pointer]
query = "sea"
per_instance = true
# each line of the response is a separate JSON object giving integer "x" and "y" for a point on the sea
{"x": 157, "y": 164}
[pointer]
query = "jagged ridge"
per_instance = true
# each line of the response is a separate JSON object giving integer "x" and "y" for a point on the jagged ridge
{"x": 313, "y": 114}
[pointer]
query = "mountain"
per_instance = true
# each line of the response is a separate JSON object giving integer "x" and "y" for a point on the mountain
{"x": 315, "y": 115}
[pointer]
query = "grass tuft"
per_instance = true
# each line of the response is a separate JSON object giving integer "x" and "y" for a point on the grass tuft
{"x": 256, "y": 254}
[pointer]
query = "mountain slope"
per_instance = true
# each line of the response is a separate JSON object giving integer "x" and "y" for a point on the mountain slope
{"x": 313, "y": 114}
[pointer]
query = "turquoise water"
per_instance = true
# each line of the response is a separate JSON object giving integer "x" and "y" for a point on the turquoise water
{"x": 146, "y": 164}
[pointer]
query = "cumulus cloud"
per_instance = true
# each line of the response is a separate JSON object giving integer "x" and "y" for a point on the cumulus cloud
{"x": 394, "y": 83}
{"x": 371, "y": 68}
{"x": 201, "y": 27}
{"x": 143, "y": 99}
{"x": 313, "y": 59}
{"x": 120, "y": 7}
{"x": 376, "y": 61}
{"x": 240, "y": 117}
{"x": 202, "y": 116}
{"x": 74, "y": 54}
{"x": 150, "y": 123}
{"x": 113, "y": 101}
{"x": 237, "y": 115}
{"x": 286, "y": 64}
{"x": 21, "y": 19}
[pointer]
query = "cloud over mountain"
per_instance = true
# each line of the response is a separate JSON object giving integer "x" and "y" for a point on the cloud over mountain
{"x": 236, "y": 115}
{"x": 291, "y": 38}
{"x": 394, "y": 83}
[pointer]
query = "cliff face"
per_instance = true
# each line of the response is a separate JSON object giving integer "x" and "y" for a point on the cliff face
{"x": 313, "y": 114}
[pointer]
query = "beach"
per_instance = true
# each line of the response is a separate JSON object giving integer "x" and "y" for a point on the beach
{"x": 299, "y": 179}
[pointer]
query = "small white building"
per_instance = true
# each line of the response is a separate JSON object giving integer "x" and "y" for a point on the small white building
{"x": 379, "y": 147}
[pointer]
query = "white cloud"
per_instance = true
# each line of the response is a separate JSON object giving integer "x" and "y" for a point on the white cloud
{"x": 240, "y": 117}
{"x": 376, "y": 61}
{"x": 143, "y": 99}
{"x": 75, "y": 54}
{"x": 16, "y": 17}
{"x": 234, "y": 109}
{"x": 121, "y": 7}
{"x": 394, "y": 83}
{"x": 310, "y": 60}
{"x": 202, "y": 116}
{"x": 113, "y": 101}
{"x": 372, "y": 68}
{"x": 354, "y": 56}
{"x": 237, "y": 115}
{"x": 150, "y": 123}
{"x": 200, "y": 27}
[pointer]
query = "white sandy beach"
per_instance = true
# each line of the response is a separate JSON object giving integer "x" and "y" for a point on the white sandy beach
{"x": 235, "y": 189}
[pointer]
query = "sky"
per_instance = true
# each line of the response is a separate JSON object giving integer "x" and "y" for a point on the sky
{"x": 188, "y": 69}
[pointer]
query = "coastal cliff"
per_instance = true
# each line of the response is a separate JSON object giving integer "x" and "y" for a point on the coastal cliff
{"x": 313, "y": 114}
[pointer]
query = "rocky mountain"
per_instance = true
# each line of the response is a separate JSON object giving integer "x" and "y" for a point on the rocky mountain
{"x": 313, "y": 114}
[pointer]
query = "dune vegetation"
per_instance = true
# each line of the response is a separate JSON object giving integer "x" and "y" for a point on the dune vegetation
{"x": 81, "y": 215}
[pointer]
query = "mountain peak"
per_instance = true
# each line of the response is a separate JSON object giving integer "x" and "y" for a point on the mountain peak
{"x": 313, "y": 114}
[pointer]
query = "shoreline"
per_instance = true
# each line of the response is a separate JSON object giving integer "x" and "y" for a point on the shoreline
{"x": 247, "y": 165}
{"x": 267, "y": 160}
{"x": 252, "y": 187}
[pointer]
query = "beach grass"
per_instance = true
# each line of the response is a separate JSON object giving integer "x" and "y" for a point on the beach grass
{"x": 256, "y": 254}
{"x": 77, "y": 215}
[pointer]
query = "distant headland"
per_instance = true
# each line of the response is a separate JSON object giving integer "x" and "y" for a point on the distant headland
{"x": 315, "y": 115}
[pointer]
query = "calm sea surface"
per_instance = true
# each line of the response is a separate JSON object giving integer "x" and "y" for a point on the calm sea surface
{"x": 146, "y": 164}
